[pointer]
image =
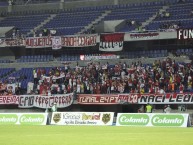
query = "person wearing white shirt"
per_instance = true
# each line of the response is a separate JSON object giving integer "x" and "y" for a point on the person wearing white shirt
{"x": 167, "y": 109}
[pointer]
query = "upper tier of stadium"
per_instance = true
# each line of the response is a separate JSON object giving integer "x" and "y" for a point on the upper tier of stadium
{"x": 79, "y": 18}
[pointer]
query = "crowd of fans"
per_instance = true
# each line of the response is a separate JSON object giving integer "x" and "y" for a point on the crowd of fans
{"x": 95, "y": 78}
{"x": 10, "y": 87}
{"x": 159, "y": 77}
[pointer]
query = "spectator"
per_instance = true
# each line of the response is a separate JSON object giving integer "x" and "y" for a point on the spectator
{"x": 148, "y": 108}
{"x": 167, "y": 109}
{"x": 167, "y": 15}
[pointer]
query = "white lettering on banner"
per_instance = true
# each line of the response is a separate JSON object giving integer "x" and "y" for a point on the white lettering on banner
{"x": 98, "y": 99}
{"x": 29, "y": 119}
{"x": 38, "y": 42}
{"x": 23, "y": 118}
{"x": 133, "y": 120}
{"x": 185, "y": 33}
{"x": 82, "y": 118}
{"x": 128, "y": 98}
{"x": 165, "y": 120}
{"x": 79, "y": 41}
{"x": 153, "y": 119}
{"x": 4, "y": 119}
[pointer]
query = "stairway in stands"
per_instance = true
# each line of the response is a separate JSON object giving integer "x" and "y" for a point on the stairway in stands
{"x": 96, "y": 21}
{"x": 52, "y": 16}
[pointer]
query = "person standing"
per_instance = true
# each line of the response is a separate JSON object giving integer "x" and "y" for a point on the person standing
{"x": 148, "y": 108}
{"x": 167, "y": 109}
{"x": 54, "y": 108}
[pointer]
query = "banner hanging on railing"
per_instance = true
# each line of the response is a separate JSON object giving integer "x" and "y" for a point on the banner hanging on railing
{"x": 61, "y": 101}
{"x": 79, "y": 41}
{"x": 111, "y": 42}
{"x": 143, "y": 36}
{"x": 107, "y": 99}
{"x": 56, "y": 43}
{"x": 38, "y": 42}
{"x": 12, "y": 42}
{"x": 168, "y": 98}
{"x": 39, "y": 101}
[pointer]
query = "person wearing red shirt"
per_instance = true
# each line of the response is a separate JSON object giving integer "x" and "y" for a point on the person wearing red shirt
{"x": 181, "y": 88}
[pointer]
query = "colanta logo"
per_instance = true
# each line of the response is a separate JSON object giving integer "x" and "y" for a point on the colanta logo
{"x": 8, "y": 118}
{"x": 167, "y": 120}
{"x": 133, "y": 119}
{"x": 32, "y": 119}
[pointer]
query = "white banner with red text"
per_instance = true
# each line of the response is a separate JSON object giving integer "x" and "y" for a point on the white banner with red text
{"x": 39, "y": 101}
{"x": 82, "y": 118}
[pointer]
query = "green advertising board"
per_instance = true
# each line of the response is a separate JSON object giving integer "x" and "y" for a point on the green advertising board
{"x": 8, "y": 119}
{"x": 23, "y": 118}
{"x": 134, "y": 119}
{"x": 152, "y": 119}
{"x": 32, "y": 119}
{"x": 167, "y": 120}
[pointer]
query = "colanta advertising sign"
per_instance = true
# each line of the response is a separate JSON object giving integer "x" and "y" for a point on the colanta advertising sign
{"x": 133, "y": 119}
{"x": 23, "y": 119}
{"x": 152, "y": 119}
{"x": 82, "y": 118}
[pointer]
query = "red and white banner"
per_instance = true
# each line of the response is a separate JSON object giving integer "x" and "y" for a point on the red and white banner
{"x": 79, "y": 41}
{"x": 6, "y": 100}
{"x": 111, "y": 42}
{"x": 56, "y": 43}
{"x": 102, "y": 99}
{"x": 28, "y": 101}
{"x": 38, "y": 42}
{"x": 168, "y": 98}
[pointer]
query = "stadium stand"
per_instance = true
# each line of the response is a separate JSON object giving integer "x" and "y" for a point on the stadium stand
{"x": 146, "y": 64}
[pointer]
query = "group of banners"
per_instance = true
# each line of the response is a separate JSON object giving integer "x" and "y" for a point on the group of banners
{"x": 39, "y": 101}
{"x": 65, "y": 100}
{"x": 108, "y": 42}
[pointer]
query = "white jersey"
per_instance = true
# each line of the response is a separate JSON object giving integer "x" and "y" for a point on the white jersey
{"x": 167, "y": 110}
